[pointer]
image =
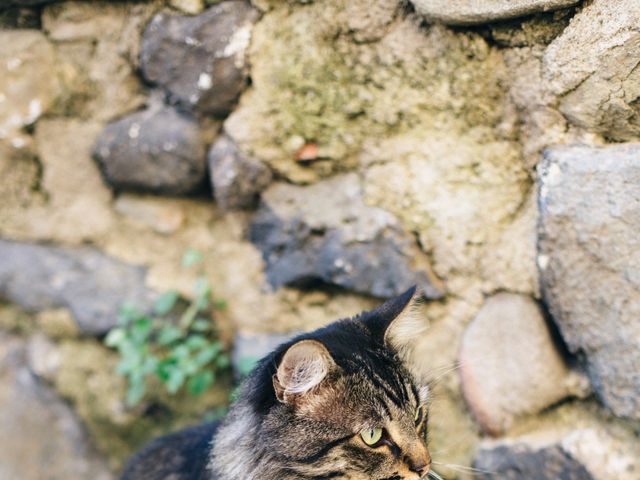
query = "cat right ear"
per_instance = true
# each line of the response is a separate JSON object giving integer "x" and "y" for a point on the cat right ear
{"x": 302, "y": 368}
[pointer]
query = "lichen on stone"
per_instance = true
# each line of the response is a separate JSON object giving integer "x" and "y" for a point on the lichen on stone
{"x": 315, "y": 83}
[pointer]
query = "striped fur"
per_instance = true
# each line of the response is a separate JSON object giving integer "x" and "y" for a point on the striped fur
{"x": 351, "y": 378}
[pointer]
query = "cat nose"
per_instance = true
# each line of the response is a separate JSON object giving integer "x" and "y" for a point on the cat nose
{"x": 421, "y": 466}
{"x": 419, "y": 462}
{"x": 421, "y": 470}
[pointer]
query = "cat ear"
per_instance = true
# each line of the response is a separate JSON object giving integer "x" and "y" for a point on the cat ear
{"x": 303, "y": 366}
{"x": 397, "y": 322}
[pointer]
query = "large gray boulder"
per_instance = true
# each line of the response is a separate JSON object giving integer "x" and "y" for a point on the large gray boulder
{"x": 200, "y": 60}
{"x": 158, "y": 150}
{"x": 326, "y": 233}
{"x": 90, "y": 284}
{"x": 40, "y": 437}
{"x": 470, "y": 12}
{"x": 593, "y": 68}
{"x": 510, "y": 363}
{"x": 589, "y": 260}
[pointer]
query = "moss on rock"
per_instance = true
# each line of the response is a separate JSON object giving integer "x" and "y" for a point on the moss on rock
{"x": 315, "y": 82}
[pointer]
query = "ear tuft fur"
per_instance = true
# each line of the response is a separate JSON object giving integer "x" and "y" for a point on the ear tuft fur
{"x": 303, "y": 366}
{"x": 407, "y": 325}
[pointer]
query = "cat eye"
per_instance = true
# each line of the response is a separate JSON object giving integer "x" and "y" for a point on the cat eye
{"x": 371, "y": 436}
{"x": 419, "y": 415}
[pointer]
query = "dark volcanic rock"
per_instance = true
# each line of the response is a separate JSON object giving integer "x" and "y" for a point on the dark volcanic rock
{"x": 520, "y": 461}
{"x": 90, "y": 284}
{"x": 40, "y": 437}
{"x": 200, "y": 60}
{"x": 237, "y": 179}
{"x": 157, "y": 150}
{"x": 326, "y": 233}
{"x": 19, "y": 17}
{"x": 589, "y": 260}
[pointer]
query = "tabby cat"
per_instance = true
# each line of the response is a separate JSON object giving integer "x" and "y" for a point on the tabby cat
{"x": 336, "y": 403}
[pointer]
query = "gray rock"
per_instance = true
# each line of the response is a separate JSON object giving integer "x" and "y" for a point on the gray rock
{"x": 326, "y": 233}
{"x": 589, "y": 261}
{"x": 237, "y": 179}
{"x": 592, "y": 67}
{"x": 200, "y": 60}
{"x": 40, "y": 437}
{"x": 520, "y": 461}
{"x": 157, "y": 150}
{"x": 510, "y": 365}
{"x": 90, "y": 284}
{"x": 571, "y": 448}
{"x": 471, "y": 12}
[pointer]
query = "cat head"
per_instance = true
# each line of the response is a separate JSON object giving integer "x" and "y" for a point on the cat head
{"x": 340, "y": 402}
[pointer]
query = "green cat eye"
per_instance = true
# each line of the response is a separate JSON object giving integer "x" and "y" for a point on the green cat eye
{"x": 371, "y": 436}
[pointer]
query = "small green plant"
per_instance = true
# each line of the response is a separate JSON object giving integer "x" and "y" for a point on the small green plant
{"x": 176, "y": 343}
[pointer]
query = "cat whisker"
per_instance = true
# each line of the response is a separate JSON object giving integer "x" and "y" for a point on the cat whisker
{"x": 462, "y": 468}
{"x": 434, "y": 475}
{"x": 457, "y": 364}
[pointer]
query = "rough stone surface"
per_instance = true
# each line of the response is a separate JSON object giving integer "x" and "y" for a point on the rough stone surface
{"x": 200, "y": 61}
{"x": 326, "y": 233}
{"x": 519, "y": 461}
{"x": 90, "y": 284}
{"x": 489, "y": 233}
{"x": 589, "y": 453}
{"x": 510, "y": 365}
{"x": 65, "y": 199}
{"x": 162, "y": 215}
{"x": 237, "y": 179}
{"x": 470, "y": 12}
{"x": 47, "y": 439}
{"x": 191, "y": 7}
{"x": 157, "y": 150}
{"x": 29, "y": 82}
{"x": 593, "y": 68}
{"x": 338, "y": 93}
{"x": 589, "y": 200}
{"x": 98, "y": 45}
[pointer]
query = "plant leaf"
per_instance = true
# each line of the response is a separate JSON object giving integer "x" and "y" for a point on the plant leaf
{"x": 175, "y": 380}
{"x": 168, "y": 335}
{"x": 165, "y": 303}
{"x": 200, "y": 382}
{"x": 115, "y": 337}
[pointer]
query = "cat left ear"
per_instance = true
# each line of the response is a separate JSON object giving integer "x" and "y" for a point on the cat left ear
{"x": 304, "y": 365}
{"x": 398, "y": 322}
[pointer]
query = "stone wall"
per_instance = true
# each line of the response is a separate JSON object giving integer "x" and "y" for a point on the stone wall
{"x": 324, "y": 155}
